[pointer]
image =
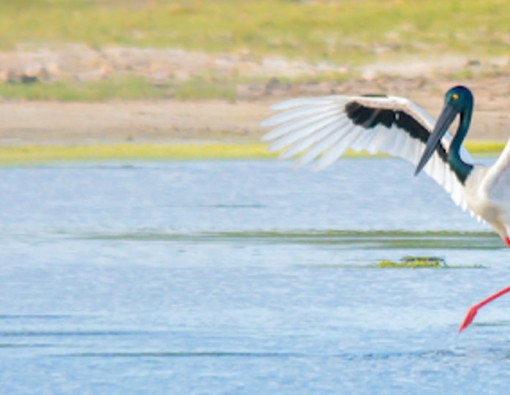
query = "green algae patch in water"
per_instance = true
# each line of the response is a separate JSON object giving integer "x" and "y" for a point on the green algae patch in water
{"x": 414, "y": 262}
{"x": 422, "y": 262}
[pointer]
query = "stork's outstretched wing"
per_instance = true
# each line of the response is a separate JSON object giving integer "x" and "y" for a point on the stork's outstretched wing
{"x": 322, "y": 129}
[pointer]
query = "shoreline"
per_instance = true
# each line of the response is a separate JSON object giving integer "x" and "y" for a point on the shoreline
{"x": 47, "y": 154}
{"x": 38, "y": 132}
{"x": 166, "y": 122}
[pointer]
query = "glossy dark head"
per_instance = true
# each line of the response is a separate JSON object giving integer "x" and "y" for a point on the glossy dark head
{"x": 459, "y": 97}
{"x": 456, "y": 101}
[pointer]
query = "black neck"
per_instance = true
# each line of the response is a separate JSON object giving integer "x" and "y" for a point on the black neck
{"x": 461, "y": 168}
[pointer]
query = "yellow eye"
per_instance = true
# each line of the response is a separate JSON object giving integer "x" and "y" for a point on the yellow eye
{"x": 455, "y": 96}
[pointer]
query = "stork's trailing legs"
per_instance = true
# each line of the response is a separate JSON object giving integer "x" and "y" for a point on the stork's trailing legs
{"x": 474, "y": 309}
{"x": 470, "y": 316}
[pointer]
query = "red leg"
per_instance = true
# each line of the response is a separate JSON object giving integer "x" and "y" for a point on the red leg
{"x": 474, "y": 309}
{"x": 507, "y": 240}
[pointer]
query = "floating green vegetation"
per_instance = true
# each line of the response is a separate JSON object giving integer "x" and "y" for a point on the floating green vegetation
{"x": 414, "y": 262}
{"x": 422, "y": 262}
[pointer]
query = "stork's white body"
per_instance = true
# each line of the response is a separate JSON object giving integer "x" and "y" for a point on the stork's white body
{"x": 487, "y": 193}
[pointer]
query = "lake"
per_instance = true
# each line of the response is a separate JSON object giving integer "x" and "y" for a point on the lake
{"x": 244, "y": 277}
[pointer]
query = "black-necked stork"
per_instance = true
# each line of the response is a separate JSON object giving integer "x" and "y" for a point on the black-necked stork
{"x": 323, "y": 128}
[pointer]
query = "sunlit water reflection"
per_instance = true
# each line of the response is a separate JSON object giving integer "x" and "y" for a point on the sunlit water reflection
{"x": 243, "y": 277}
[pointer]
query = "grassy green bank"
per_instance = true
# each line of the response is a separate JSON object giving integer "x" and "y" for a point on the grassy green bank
{"x": 47, "y": 154}
{"x": 129, "y": 87}
{"x": 343, "y": 32}
{"x": 338, "y": 30}
{"x": 27, "y": 155}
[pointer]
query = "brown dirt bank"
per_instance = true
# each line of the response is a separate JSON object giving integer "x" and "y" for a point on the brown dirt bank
{"x": 25, "y": 122}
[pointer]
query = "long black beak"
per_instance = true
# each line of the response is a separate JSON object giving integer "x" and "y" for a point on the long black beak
{"x": 443, "y": 123}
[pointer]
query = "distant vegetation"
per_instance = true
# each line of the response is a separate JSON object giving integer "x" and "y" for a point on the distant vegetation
{"x": 344, "y": 32}
{"x": 122, "y": 88}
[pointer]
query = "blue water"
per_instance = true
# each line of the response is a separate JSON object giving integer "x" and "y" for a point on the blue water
{"x": 244, "y": 277}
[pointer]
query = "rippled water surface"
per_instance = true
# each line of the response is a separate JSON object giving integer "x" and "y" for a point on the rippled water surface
{"x": 244, "y": 277}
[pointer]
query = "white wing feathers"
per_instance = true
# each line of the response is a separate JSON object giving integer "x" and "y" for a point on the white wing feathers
{"x": 320, "y": 129}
